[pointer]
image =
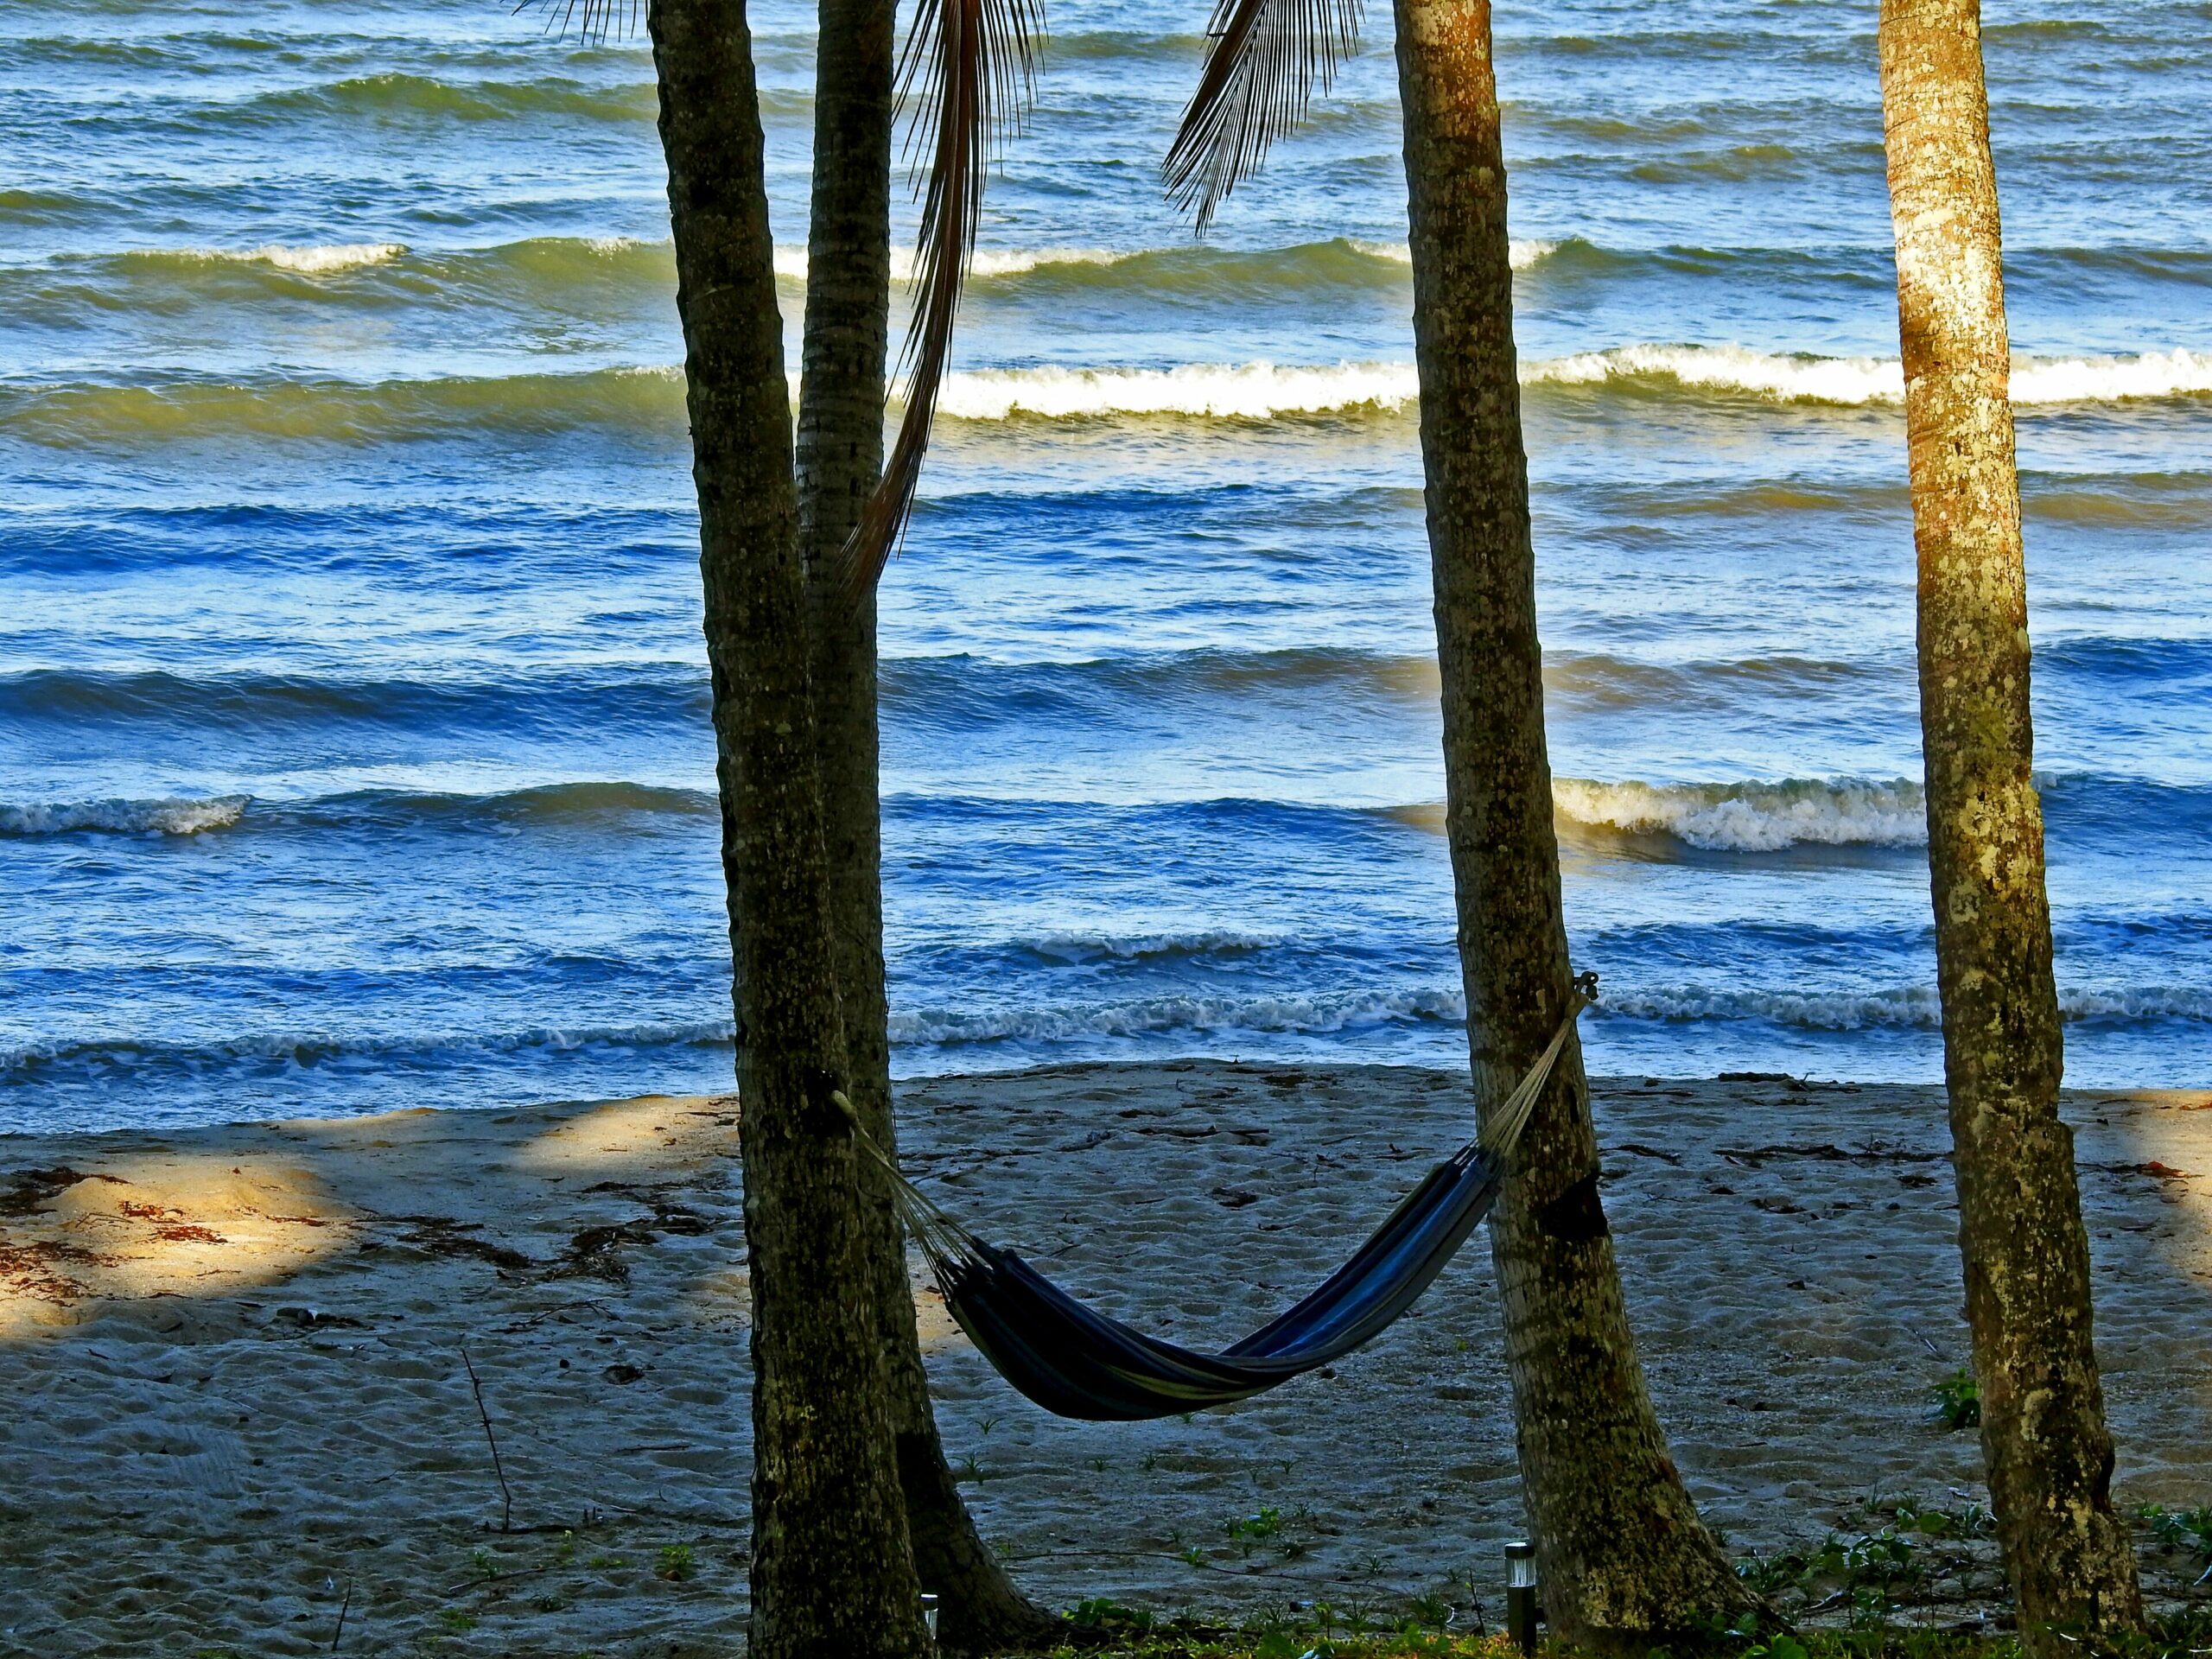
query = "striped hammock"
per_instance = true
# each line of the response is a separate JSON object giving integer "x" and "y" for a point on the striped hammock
{"x": 1075, "y": 1362}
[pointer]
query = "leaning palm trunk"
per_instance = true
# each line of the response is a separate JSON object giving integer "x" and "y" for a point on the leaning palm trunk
{"x": 832, "y": 1573}
{"x": 840, "y": 460}
{"x": 1623, "y": 1555}
{"x": 2049, "y": 1453}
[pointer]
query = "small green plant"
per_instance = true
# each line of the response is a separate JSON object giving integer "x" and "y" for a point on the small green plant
{"x": 1432, "y": 1611}
{"x": 565, "y": 1551}
{"x": 1100, "y": 1613}
{"x": 483, "y": 1564}
{"x": 1866, "y": 1575}
{"x": 456, "y": 1621}
{"x": 1261, "y": 1523}
{"x": 676, "y": 1565}
{"x": 1958, "y": 1400}
{"x": 1769, "y": 1575}
{"x": 2179, "y": 1529}
{"x": 605, "y": 1562}
{"x": 2188, "y": 1531}
{"x": 1195, "y": 1556}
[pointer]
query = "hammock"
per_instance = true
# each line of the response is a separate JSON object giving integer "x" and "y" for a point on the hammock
{"x": 1075, "y": 1361}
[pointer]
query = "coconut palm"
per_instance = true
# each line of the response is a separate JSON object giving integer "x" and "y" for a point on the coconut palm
{"x": 840, "y": 468}
{"x": 2049, "y": 1453}
{"x": 844, "y": 1442}
{"x": 832, "y": 1570}
{"x": 1622, "y": 1554}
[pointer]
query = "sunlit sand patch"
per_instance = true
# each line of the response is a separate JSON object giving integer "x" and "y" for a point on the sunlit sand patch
{"x": 616, "y": 1134}
{"x": 933, "y": 1321}
{"x": 2145, "y": 1158}
{"x": 152, "y": 1224}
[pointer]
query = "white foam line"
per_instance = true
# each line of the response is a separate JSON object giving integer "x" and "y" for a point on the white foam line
{"x": 1258, "y": 390}
{"x": 318, "y": 260}
{"x": 169, "y": 816}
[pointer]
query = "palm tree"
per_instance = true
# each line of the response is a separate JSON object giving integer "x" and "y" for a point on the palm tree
{"x": 832, "y": 1569}
{"x": 2049, "y": 1453}
{"x": 1622, "y": 1554}
{"x": 840, "y": 466}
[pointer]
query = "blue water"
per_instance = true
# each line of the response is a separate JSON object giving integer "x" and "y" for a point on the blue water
{"x": 353, "y": 749}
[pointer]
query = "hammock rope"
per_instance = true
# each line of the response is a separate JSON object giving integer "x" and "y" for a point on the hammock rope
{"x": 1075, "y": 1362}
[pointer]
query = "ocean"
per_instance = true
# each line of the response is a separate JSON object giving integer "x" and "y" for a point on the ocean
{"x": 353, "y": 739}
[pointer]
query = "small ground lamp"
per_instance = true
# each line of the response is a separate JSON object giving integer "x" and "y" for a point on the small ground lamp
{"x": 1521, "y": 1595}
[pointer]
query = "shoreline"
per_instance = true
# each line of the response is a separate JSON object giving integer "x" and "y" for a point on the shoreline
{"x": 238, "y": 1348}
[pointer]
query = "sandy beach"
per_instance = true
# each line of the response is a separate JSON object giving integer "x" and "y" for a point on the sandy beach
{"x": 239, "y": 1401}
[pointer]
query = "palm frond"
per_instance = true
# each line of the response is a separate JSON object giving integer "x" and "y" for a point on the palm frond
{"x": 594, "y": 20}
{"x": 974, "y": 63}
{"x": 1266, "y": 59}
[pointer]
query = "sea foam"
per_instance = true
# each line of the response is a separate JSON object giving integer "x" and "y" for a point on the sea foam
{"x": 1801, "y": 378}
{"x": 318, "y": 260}
{"x": 169, "y": 816}
{"x": 1219, "y": 392}
{"x": 1260, "y": 390}
{"x": 1916, "y": 1007}
{"x": 1525, "y": 253}
{"x": 1752, "y": 817}
{"x": 1320, "y": 1012}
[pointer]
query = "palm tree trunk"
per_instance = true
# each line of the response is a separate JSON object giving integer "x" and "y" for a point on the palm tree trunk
{"x": 832, "y": 1569}
{"x": 2049, "y": 1453}
{"x": 840, "y": 459}
{"x": 1623, "y": 1554}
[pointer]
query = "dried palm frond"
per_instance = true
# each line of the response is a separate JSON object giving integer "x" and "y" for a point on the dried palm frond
{"x": 1259, "y": 73}
{"x": 975, "y": 64}
{"x": 594, "y": 19}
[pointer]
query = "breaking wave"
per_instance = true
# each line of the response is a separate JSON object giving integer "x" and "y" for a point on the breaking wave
{"x": 1320, "y": 1013}
{"x": 1800, "y": 377}
{"x": 1908, "y": 1007}
{"x": 1752, "y": 817}
{"x": 1912, "y": 1007}
{"x": 315, "y": 260}
{"x": 1219, "y": 392}
{"x": 304, "y": 1051}
{"x": 1080, "y": 948}
{"x": 1259, "y": 390}
{"x": 169, "y": 816}
{"x": 649, "y": 398}
{"x": 1525, "y": 253}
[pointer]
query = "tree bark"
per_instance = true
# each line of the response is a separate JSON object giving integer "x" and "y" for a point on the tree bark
{"x": 2049, "y": 1453}
{"x": 1622, "y": 1555}
{"x": 832, "y": 1573}
{"x": 840, "y": 458}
